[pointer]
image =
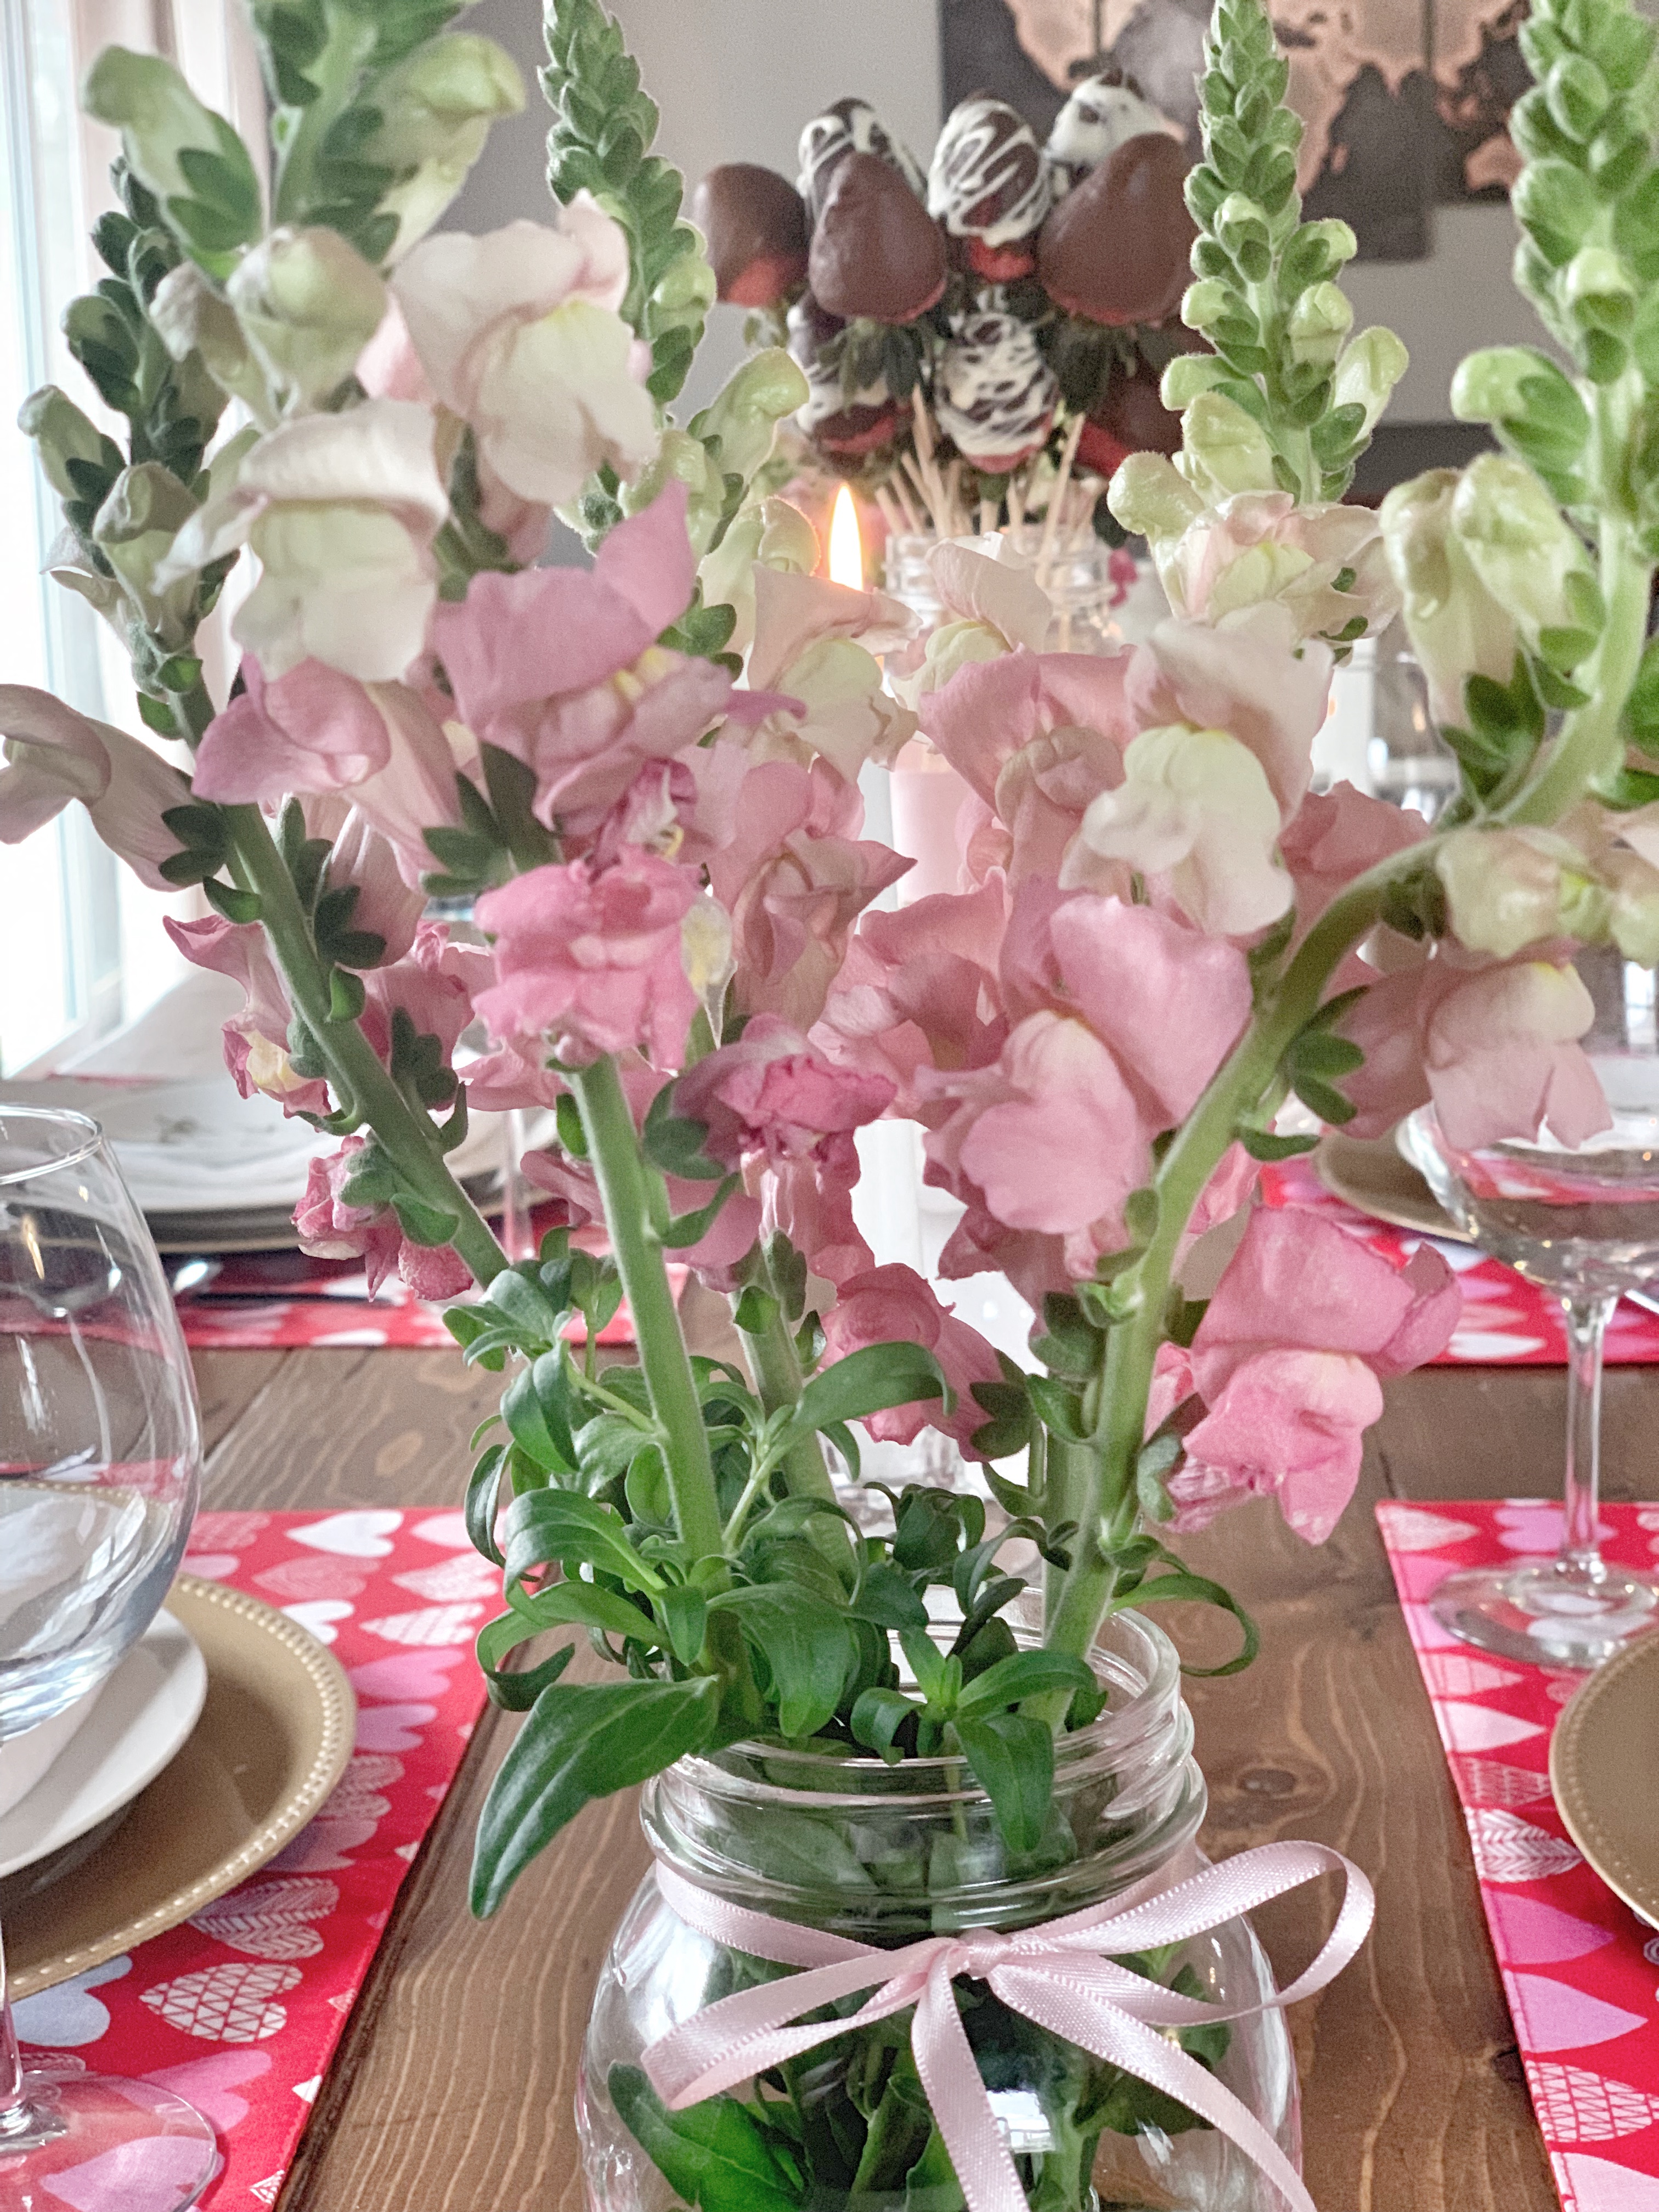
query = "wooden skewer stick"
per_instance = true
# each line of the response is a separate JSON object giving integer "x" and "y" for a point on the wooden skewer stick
{"x": 988, "y": 518}
{"x": 1057, "y": 498}
{"x": 901, "y": 492}
{"x": 933, "y": 483}
{"x": 912, "y": 472}
{"x": 891, "y": 512}
{"x": 1017, "y": 499}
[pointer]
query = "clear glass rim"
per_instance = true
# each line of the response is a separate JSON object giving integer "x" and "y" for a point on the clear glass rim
{"x": 86, "y": 1135}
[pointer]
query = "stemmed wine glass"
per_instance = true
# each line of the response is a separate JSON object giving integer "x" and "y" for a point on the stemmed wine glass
{"x": 1582, "y": 1222}
{"x": 99, "y": 1463}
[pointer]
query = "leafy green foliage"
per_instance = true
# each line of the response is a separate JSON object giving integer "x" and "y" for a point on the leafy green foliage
{"x": 600, "y": 141}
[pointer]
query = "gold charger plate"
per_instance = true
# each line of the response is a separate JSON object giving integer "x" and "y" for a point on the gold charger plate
{"x": 1370, "y": 1173}
{"x": 1604, "y": 1770}
{"x": 274, "y": 1737}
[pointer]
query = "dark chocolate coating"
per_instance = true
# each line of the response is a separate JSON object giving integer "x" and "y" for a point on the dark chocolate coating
{"x": 755, "y": 221}
{"x": 839, "y": 417}
{"x": 876, "y": 250}
{"x": 1115, "y": 248}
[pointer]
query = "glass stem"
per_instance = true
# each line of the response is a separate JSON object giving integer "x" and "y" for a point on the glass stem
{"x": 1586, "y": 1320}
{"x": 21, "y": 2123}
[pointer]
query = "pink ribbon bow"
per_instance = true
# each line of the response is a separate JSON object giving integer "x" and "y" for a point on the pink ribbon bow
{"x": 1054, "y": 1974}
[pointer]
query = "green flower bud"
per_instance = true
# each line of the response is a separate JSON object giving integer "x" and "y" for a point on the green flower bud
{"x": 190, "y": 318}
{"x": 1520, "y": 545}
{"x": 685, "y": 457}
{"x": 146, "y": 509}
{"x": 1508, "y": 889}
{"x": 1320, "y": 321}
{"x": 436, "y": 109}
{"x": 1457, "y": 628}
{"x": 1150, "y": 498}
{"x": 1368, "y": 370}
{"x": 745, "y": 415}
{"x": 1598, "y": 291}
{"x": 1222, "y": 449}
{"x": 1242, "y": 227}
{"x": 188, "y": 156}
{"x": 62, "y": 434}
{"x": 1517, "y": 383}
{"x": 308, "y": 303}
{"x": 1555, "y": 204}
{"x": 1578, "y": 96}
{"x": 1189, "y": 374}
{"x": 685, "y": 292}
{"x": 1204, "y": 304}
{"x": 1316, "y": 252}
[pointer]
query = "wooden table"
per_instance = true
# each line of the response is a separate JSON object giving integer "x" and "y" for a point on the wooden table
{"x": 452, "y": 2088}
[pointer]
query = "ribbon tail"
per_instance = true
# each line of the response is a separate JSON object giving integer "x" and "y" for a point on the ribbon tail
{"x": 944, "y": 2060}
{"x": 1067, "y": 2008}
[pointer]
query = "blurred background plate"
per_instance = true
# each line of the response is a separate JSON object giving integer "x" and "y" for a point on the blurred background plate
{"x": 1604, "y": 1770}
{"x": 274, "y": 1736}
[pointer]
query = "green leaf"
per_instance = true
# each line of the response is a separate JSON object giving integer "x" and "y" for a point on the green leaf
{"x": 688, "y": 1229}
{"x": 755, "y": 1312}
{"x": 569, "y": 1116}
{"x": 888, "y": 1599}
{"x": 877, "y": 1716}
{"x": 1263, "y": 1145}
{"x": 804, "y": 1642}
{"x": 549, "y": 1526}
{"x": 1060, "y": 1410}
{"x": 523, "y": 1302}
{"x": 483, "y": 1487}
{"x": 683, "y": 1613}
{"x": 1027, "y": 1674}
{"x": 714, "y": 2155}
{"x": 575, "y": 1603}
{"x": 868, "y": 1382}
{"x": 581, "y": 1742}
{"x": 236, "y": 905}
{"x": 430, "y": 1226}
{"x": 537, "y": 1410}
{"x": 674, "y": 1142}
{"x": 1012, "y": 1757}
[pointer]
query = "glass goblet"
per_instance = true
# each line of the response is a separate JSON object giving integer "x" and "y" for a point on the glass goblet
{"x": 100, "y": 1463}
{"x": 1582, "y": 1222}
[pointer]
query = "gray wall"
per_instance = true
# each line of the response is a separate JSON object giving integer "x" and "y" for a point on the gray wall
{"x": 736, "y": 79}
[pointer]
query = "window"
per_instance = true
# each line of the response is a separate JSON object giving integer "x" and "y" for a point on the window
{"x": 81, "y": 944}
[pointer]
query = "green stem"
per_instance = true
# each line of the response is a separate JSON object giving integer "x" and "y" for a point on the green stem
{"x": 775, "y": 1367}
{"x": 613, "y": 1147}
{"x": 355, "y": 1070}
{"x": 1116, "y": 1403}
{"x": 335, "y": 72}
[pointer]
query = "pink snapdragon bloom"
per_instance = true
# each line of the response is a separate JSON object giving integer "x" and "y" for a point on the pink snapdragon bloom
{"x": 1260, "y": 559}
{"x": 775, "y": 1094}
{"x": 1337, "y": 835}
{"x": 794, "y": 877}
{"x": 1035, "y": 737}
{"x": 330, "y": 1229}
{"x": 815, "y": 645}
{"x": 1272, "y": 701}
{"x": 433, "y": 985}
{"x": 309, "y": 729}
{"x": 256, "y": 1041}
{"x": 590, "y": 957}
{"x": 1122, "y": 1016}
{"x": 50, "y": 754}
{"x": 1495, "y": 1046}
{"x": 919, "y": 989}
{"x": 893, "y": 1305}
{"x": 388, "y": 905}
{"x": 1288, "y": 1359}
{"x": 561, "y": 666}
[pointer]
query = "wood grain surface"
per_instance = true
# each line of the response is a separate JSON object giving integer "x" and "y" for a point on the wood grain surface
{"x": 451, "y": 2090}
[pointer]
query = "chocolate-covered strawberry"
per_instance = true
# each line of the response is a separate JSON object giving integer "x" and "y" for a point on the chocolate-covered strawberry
{"x": 989, "y": 187}
{"x": 1116, "y": 249}
{"x": 841, "y": 422}
{"x": 755, "y": 221}
{"x": 876, "y": 251}
{"x": 851, "y": 127}
{"x": 1129, "y": 417}
{"x": 994, "y": 395}
{"x": 1101, "y": 114}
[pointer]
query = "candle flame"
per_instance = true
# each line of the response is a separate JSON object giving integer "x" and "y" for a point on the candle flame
{"x": 846, "y": 547}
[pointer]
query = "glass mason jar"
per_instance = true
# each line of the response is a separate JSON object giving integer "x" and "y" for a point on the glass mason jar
{"x": 888, "y": 1855}
{"x": 1076, "y": 573}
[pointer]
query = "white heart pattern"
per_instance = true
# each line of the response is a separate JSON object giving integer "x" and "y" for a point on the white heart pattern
{"x": 437, "y": 1624}
{"x": 360, "y": 1535}
{"x": 1489, "y": 1782}
{"x": 265, "y": 2191}
{"x": 68, "y": 2014}
{"x": 1579, "y": 2107}
{"x": 447, "y": 1530}
{"x": 355, "y": 1796}
{"x": 1598, "y": 2186}
{"x": 451, "y": 1581}
{"x": 317, "y": 1615}
{"x": 271, "y": 1919}
{"x": 1508, "y": 1849}
{"x": 1456, "y": 1674}
{"x": 230, "y": 2003}
{"x": 1413, "y": 1529}
{"x": 1480, "y": 1727}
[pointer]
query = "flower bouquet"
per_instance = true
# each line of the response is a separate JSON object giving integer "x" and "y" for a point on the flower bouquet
{"x": 955, "y": 1745}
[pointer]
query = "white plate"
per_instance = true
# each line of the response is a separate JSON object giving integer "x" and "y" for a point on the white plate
{"x": 137, "y": 1721}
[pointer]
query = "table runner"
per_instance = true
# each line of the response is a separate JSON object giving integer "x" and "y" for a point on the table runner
{"x": 240, "y": 2009}
{"x": 1503, "y": 1318}
{"x": 1579, "y": 1969}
